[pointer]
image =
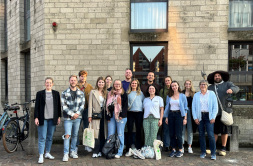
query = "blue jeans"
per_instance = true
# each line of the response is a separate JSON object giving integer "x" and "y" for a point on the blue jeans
{"x": 71, "y": 126}
{"x": 176, "y": 129}
{"x": 166, "y": 134}
{"x": 112, "y": 125}
{"x": 189, "y": 128}
{"x": 45, "y": 135}
{"x": 205, "y": 124}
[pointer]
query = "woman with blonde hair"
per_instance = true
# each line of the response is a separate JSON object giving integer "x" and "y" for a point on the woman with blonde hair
{"x": 116, "y": 113}
{"x": 96, "y": 113}
{"x": 189, "y": 93}
{"x": 135, "y": 113}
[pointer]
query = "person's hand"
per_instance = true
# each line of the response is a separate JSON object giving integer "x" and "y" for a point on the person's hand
{"x": 75, "y": 116}
{"x": 59, "y": 121}
{"x": 160, "y": 123}
{"x": 184, "y": 121}
{"x": 229, "y": 91}
{"x": 90, "y": 119}
{"x": 166, "y": 121}
{"x": 36, "y": 121}
{"x": 196, "y": 121}
{"x": 120, "y": 118}
{"x": 212, "y": 121}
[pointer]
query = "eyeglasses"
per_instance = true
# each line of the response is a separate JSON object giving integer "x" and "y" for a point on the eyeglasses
{"x": 203, "y": 85}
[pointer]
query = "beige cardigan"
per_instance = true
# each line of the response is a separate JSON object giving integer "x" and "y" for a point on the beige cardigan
{"x": 94, "y": 107}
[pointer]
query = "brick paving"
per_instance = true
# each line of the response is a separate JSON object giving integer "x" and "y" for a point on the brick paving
{"x": 18, "y": 158}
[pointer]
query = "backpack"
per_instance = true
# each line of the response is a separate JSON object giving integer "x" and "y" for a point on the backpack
{"x": 111, "y": 146}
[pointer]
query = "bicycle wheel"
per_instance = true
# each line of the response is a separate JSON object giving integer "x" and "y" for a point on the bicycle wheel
{"x": 24, "y": 125}
{"x": 10, "y": 136}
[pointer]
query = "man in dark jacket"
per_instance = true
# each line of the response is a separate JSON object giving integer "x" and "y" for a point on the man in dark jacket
{"x": 151, "y": 78}
{"x": 219, "y": 80}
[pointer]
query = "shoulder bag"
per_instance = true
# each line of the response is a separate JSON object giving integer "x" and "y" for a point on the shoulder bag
{"x": 226, "y": 118}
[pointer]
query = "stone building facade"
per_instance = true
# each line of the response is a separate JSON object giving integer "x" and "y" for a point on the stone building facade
{"x": 95, "y": 35}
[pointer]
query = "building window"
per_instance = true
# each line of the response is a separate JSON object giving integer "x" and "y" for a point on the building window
{"x": 149, "y": 57}
{"x": 149, "y": 15}
{"x": 5, "y": 27}
{"x": 241, "y": 70}
{"x": 240, "y": 13}
{"x": 27, "y": 77}
{"x": 27, "y": 21}
{"x": 4, "y": 80}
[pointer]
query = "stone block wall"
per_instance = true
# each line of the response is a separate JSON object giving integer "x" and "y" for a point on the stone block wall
{"x": 94, "y": 35}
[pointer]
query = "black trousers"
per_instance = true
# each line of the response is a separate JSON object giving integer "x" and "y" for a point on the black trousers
{"x": 99, "y": 143}
{"x": 137, "y": 118}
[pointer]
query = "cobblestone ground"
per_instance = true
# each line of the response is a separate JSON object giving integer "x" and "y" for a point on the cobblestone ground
{"x": 244, "y": 157}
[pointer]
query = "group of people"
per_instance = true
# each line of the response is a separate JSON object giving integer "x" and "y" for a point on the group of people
{"x": 112, "y": 105}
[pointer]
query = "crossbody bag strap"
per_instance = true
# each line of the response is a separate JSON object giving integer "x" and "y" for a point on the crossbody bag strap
{"x": 218, "y": 97}
{"x": 133, "y": 101}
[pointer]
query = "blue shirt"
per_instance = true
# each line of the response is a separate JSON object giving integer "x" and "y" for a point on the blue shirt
{"x": 125, "y": 85}
{"x": 137, "y": 102}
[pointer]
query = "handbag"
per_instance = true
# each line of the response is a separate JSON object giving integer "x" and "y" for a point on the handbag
{"x": 97, "y": 115}
{"x": 88, "y": 137}
{"x": 226, "y": 117}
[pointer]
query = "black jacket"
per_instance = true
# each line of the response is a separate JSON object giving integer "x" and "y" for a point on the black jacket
{"x": 40, "y": 106}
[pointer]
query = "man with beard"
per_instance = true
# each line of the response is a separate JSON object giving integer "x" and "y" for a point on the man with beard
{"x": 72, "y": 100}
{"x": 128, "y": 77}
{"x": 224, "y": 88}
{"x": 151, "y": 78}
{"x": 85, "y": 88}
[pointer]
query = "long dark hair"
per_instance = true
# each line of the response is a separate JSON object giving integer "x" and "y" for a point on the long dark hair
{"x": 171, "y": 92}
{"x": 156, "y": 91}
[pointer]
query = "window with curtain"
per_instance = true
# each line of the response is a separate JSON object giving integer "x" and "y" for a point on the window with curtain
{"x": 240, "y": 13}
{"x": 149, "y": 16}
{"x": 27, "y": 21}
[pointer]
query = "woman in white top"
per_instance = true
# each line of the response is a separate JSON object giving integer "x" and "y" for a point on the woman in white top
{"x": 153, "y": 115}
{"x": 96, "y": 107}
{"x": 176, "y": 117}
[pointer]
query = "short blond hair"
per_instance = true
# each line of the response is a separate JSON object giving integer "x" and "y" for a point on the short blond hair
{"x": 72, "y": 76}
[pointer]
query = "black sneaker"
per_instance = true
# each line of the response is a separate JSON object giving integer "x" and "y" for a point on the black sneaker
{"x": 179, "y": 154}
{"x": 173, "y": 153}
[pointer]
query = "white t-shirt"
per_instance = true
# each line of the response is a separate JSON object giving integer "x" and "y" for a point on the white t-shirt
{"x": 152, "y": 106}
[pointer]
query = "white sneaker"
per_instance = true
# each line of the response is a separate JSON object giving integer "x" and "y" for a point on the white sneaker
{"x": 49, "y": 156}
{"x": 182, "y": 150}
{"x": 129, "y": 153}
{"x": 117, "y": 156}
{"x": 88, "y": 149}
{"x": 95, "y": 155}
{"x": 41, "y": 159}
{"x": 73, "y": 155}
{"x": 190, "y": 150}
{"x": 99, "y": 154}
{"x": 65, "y": 157}
{"x": 138, "y": 154}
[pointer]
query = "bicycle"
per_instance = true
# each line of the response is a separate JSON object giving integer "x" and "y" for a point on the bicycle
{"x": 16, "y": 129}
{"x": 5, "y": 117}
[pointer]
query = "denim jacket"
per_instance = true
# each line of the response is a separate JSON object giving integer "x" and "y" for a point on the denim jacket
{"x": 71, "y": 107}
{"x": 182, "y": 105}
